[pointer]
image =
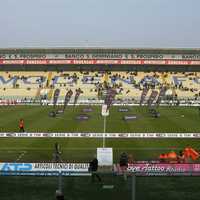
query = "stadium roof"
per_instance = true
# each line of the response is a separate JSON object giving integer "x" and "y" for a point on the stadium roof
{"x": 102, "y": 50}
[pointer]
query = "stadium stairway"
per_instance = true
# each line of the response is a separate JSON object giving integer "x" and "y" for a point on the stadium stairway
{"x": 50, "y": 94}
{"x": 49, "y": 79}
{"x": 38, "y": 92}
{"x": 164, "y": 81}
{"x": 37, "y": 95}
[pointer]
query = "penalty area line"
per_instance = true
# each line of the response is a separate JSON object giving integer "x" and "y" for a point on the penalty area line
{"x": 21, "y": 155}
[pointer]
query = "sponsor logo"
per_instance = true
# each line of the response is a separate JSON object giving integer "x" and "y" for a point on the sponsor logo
{"x": 130, "y": 117}
{"x": 123, "y": 109}
{"x": 82, "y": 117}
{"x": 62, "y": 166}
{"x": 47, "y": 135}
{"x": 87, "y": 109}
{"x": 16, "y": 167}
{"x": 10, "y": 134}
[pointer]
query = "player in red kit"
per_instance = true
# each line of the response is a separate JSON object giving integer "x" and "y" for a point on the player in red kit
{"x": 21, "y": 125}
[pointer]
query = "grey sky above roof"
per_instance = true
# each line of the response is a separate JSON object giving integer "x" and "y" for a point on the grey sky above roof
{"x": 100, "y": 23}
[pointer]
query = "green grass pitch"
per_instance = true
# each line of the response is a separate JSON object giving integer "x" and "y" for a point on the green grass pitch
{"x": 173, "y": 119}
{"x": 81, "y": 188}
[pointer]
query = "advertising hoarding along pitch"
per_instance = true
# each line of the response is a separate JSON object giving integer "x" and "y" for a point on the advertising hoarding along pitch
{"x": 102, "y": 55}
{"x": 99, "y": 135}
{"x": 44, "y": 169}
{"x": 98, "y": 62}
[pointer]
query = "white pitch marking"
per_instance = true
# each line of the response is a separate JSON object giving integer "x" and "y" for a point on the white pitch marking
{"x": 21, "y": 155}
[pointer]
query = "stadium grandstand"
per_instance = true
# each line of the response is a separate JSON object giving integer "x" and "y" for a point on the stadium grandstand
{"x": 32, "y": 74}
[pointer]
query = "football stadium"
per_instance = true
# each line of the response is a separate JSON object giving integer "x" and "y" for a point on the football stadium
{"x": 103, "y": 123}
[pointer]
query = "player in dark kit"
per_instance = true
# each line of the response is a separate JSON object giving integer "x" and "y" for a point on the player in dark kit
{"x": 93, "y": 167}
{"x": 57, "y": 153}
{"x": 21, "y": 125}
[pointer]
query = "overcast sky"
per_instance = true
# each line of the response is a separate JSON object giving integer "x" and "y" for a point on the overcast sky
{"x": 110, "y": 23}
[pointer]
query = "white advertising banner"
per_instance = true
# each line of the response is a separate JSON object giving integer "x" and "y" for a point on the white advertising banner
{"x": 104, "y": 110}
{"x": 100, "y": 135}
{"x": 105, "y": 156}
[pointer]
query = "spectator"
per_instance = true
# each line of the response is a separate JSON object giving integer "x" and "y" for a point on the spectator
{"x": 93, "y": 167}
{"x": 59, "y": 195}
{"x": 123, "y": 160}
